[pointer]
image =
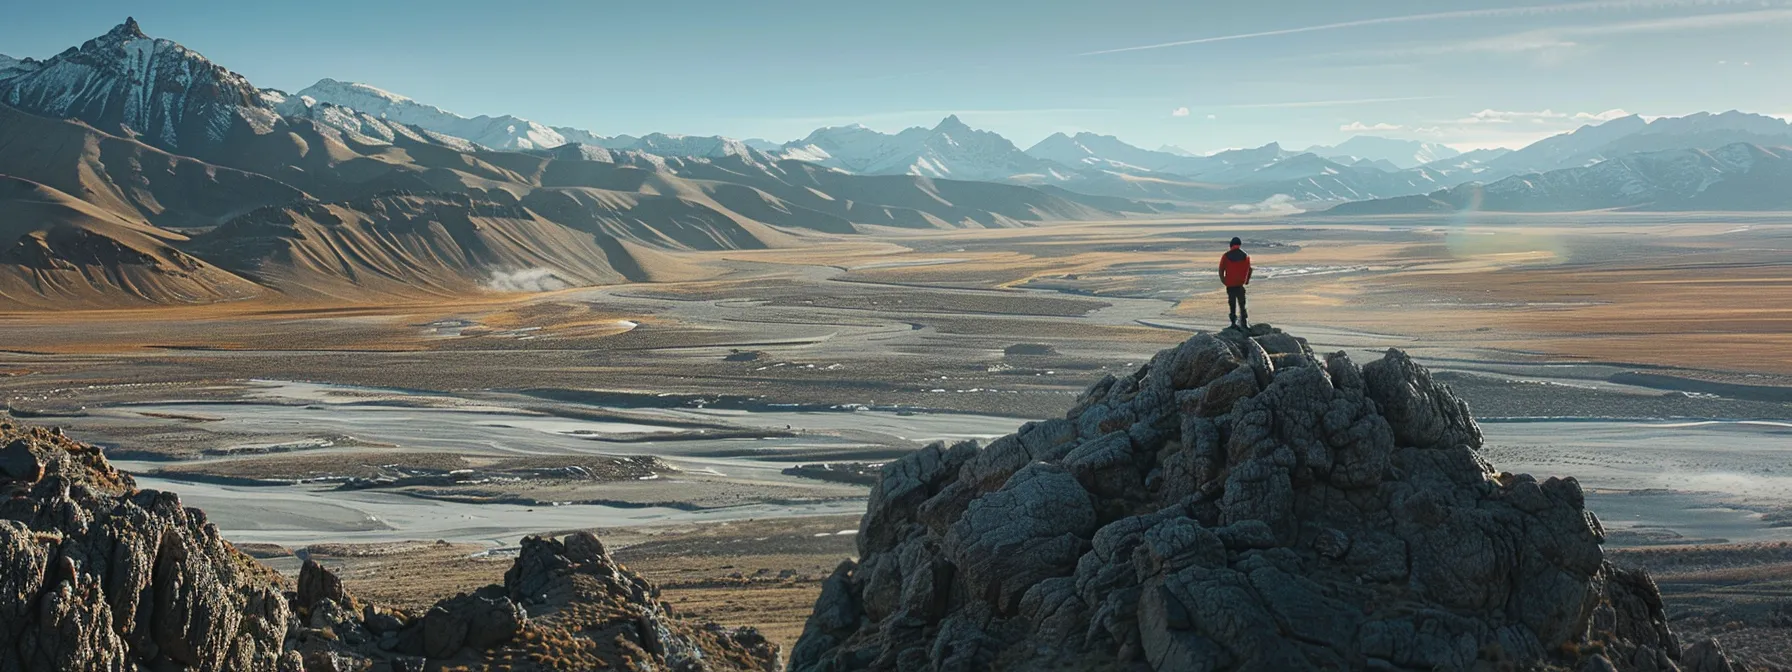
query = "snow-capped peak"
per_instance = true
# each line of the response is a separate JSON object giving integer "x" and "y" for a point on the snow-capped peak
{"x": 711, "y": 146}
{"x": 505, "y": 132}
{"x": 383, "y": 108}
{"x": 1401, "y": 153}
{"x": 951, "y": 149}
{"x": 363, "y": 91}
{"x": 128, "y": 30}
{"x": 129, "y": 83}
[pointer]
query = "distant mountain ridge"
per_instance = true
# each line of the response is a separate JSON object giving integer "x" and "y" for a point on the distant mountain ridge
{"x": 1401, "y": 154}
{"x": 13, "y": 67}
{"x": 1361, "y": 168}
{"x": 363, "y": 105}
{"x": 1625, "y": 135}
{"x": 950, "y": 149}
{"x": 504, "y": 132}
{"x": 1738, "y": 176}
{"x": 1106, "y": 151}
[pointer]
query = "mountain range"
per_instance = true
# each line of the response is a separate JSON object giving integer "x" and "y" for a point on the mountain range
{"x": 135, "y": 170}
{"x": 1738, "y": 176}
{"x": 1360, "y": 168}
{"x": 504, "y": 132}
{"x": 1364, "y": 167}
{"x": 1728, "y": 161}
{"x": 1399, "y": 154}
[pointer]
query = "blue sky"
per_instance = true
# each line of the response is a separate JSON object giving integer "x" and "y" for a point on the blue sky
{"x": 1202, "y": 75}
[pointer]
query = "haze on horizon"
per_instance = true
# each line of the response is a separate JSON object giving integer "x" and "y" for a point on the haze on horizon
{"x": 1207, "y": 77}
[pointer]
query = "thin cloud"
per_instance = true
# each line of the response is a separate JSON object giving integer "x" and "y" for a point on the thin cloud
{"x": 1516, "y": 43}
{"x": 1541, "y": 116}
{"x": 1563, "y": 39}
{"x": 1360, "y": 127}
{"x": 1697, "y": 22}
{"x": 1534, "y": 10}
{"x": 1491, "y": 116}
{"x": 1607, "y": 115}
{"x": 1179, "y": 112}
{"x": 1330, "y": 103}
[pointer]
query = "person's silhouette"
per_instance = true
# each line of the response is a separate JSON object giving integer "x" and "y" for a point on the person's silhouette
{"x": 1235, "y": 273}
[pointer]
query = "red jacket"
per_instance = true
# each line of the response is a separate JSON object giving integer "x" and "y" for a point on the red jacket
{"x": 1235, "y": 268}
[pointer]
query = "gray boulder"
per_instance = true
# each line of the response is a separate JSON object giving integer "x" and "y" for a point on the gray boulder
{"x": 1237, "y": 503}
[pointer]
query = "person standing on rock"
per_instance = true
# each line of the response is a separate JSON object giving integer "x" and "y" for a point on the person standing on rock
{"x": 1235, "y": 273}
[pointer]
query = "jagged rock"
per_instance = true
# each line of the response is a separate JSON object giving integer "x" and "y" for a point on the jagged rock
{"x": 565, "y": 604}
{"x": 101, "y": 576}
{"x": 1423, "y": 412}
{"x": 545, "y": 563}
{"x": 1236, "y": 503}
{"x": 318, "y": 583}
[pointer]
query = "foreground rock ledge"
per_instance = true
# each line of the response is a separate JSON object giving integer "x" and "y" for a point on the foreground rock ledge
{"x": 97, "y": 575}
{"x": 1238, "y": 503}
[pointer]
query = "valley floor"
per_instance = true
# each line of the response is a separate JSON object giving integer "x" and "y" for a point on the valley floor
{"x": 1648, "y": 355}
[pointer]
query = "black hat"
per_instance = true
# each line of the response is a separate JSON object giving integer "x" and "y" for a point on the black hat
{"x": 1236, "y": 242}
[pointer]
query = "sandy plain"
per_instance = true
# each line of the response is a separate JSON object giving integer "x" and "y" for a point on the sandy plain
{"x": 1648, "y": 355}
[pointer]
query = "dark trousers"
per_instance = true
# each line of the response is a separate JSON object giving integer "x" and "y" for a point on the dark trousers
{"x": 1235, "y": 302}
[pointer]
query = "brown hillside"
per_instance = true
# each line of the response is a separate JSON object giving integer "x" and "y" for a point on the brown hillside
{"x": 127, "y": 177}
{"x": 56, "y": 250}
{"x": 410, "y": 245}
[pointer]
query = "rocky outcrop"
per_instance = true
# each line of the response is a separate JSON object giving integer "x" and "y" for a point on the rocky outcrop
{"x": 1237, "y": 503}
{"x": 565, "y": 604}
{"x": 96, "y": 574}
